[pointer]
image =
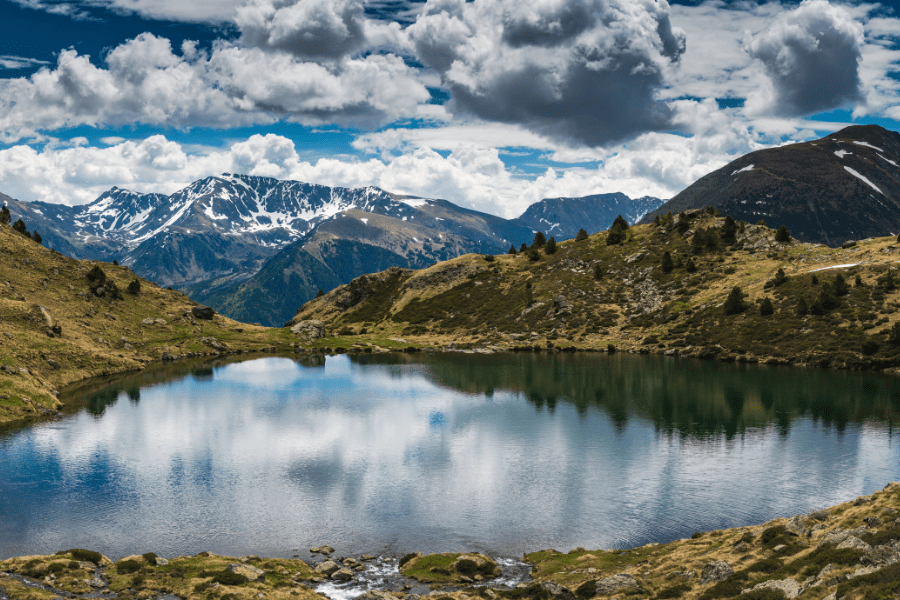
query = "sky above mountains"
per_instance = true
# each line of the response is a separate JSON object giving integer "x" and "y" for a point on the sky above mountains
{"x": 492, "y": 104}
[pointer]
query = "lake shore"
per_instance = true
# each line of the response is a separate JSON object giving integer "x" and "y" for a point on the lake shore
{"x": 844, "y": 551}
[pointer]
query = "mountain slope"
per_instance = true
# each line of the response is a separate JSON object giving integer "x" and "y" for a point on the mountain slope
{"x": 845, "y": 186}
{"x": 563, "y": 217}
{"x": 590, "y": 294}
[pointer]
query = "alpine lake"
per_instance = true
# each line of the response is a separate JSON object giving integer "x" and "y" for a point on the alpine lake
{"x": 395, "y": 453}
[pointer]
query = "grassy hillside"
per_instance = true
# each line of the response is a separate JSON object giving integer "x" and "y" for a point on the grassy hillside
{"x": 590, "y": 294}
{"x": 55, "y": 330}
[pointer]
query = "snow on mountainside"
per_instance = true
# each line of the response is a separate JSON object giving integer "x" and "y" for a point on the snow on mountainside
{"x": 563, "y": 217}
{"x": 841, "y": 187}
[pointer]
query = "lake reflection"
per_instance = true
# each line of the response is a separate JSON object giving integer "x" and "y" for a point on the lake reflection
{"x": 397, "y": 453}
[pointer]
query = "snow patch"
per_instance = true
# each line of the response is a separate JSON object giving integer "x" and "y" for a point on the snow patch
{"x": 860, "y": 177}
{"x": 365, "y": 221}
{"x": 414, "y": 202}
{"x": 842, "y": 153}
{"x": 868, "y": 145}
{"x": 747, "y": 168}
{"x": 835, "y": 267}
{"x": 887, "y": 159}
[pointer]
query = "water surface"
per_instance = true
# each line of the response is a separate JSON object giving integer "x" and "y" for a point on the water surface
{"x": 399, "y": 453}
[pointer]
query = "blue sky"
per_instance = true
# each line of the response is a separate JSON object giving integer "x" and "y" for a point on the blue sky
{"x": 493, "y": 104}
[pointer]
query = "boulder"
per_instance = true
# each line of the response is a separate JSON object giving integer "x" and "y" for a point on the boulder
{"x": 203, "y": 312}
{"x": 326, "y": 550}
{"x": 342, "y": 575}
{"x": 249, "y": 571}
{"x": 881, "y": 556}
{"x": 797, "y": 526}
{"x": 623, "y": 582}
{"x": 472, "y": 565}
{"x": 309, "y": 331}
{"x": 558, "y": 591}
{"x": 634, "y": 258}
{"x": 148, "y": 322}
{"x": 854, "y": 543}
{"x": 716, "y": 571}
{"x": 873, "y": 522}
{"x": 788, "y": 587}
{"x": 328, "y": 568}
{"x": 848, "y": 244}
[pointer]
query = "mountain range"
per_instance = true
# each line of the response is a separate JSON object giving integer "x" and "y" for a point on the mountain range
{"x": 256, "y": 248}
{"x": 845, "y": 186}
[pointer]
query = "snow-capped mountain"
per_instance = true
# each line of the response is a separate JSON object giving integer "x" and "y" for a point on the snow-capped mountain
{"x": 563, "y": 217}
{"x": 845, "y": 186}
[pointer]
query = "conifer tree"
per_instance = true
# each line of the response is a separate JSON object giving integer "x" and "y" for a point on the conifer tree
{"x": 582, "y": 235}
{"x": 598, "y": 272}
{"x": 512, "y": 251}
{"x": 802, "y": 307}
{"x": 523, "y": 247}
{"x": 551, "y": 246}
{"x": 320, "y": 293}
{"x": 667, "y": 265}
{"x": 5, "y": 217}
{"x": 734, "y": 304}
{"x": 840, "y": 286}
{"x": 782, "y": 235}
{"x": 134, "y": 287}
{"x": 36, "y": 236}
{"x": 729, "y": 231}
{"x": 690, "y": 267}
{"x": 533, "y": 255}
{"x": 20, "y": 227}
{"x": 539, "y": 240}
{"x": 766, "y": 308}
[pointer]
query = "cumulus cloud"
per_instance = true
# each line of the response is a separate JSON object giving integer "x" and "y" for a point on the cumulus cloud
{"x": 811, "y": 56}
{"x": 583, "y": 70}
{"x": 146, "y": 82}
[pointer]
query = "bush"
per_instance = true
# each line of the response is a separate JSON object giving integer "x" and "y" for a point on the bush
{"x": 134, "y": 287}
{"x": 870, "y": 347}
{"x": 894, "y": 334}
{"x": 666, "y": 264}
{"x": 489, "y": 257}
{"x": 858, "y": 282}
{"x": 764, "y": 594}
{"x": 467, "y": 567}
{"x": 588, "y": 589}
{"x": 57, "y": 567}
{"x": 320, "y": 293}
{"x": 551, "y": 246}
{"x": 150, "y": 557}
{"x": 598, "y": 272}
{"x": 126, "y": 567}
{"x": 734, "y": 304}
{"x": 86, "y": 555}
{"x": 229, "y": 578}
{"x": 782, "y": 235}
{"x": 762, "y": 223}
{"x": 96, "y": 275}
{"x": 779, "y": 279}
{"x": 771, "y": 533}
{"x": 766, "y": 308}
{"x": 533, "y": 255}
{"x": 691, "y": 267}
{"x": 407, "y": 558}
{"x": 767, "y": 565}
{"x": 582, "y": 235}
{"x": 729, "y": 231}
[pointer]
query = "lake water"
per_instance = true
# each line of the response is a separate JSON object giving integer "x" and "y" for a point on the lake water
{"x": 399, "y": 453}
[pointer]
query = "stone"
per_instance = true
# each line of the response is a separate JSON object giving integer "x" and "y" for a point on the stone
{"x": 212, "y": 343}
{"x": 741, "y": 546}
{"x": 148, "y": 322}
{"x": 249, "y": 571}
{"x": 128, "y": 347}
{"x": 854, "y": 543}
{"x": 326, "y": 550}
{"x": 623, "y": 582}
{"x": 96, "y": 582}
{"x": 715, "y": 571}
{"x": 860, "y": 501}
{"x": 483, "y": 565}
{"x": 881, "y": 556}
{"x": 789, "y": 587}
{"x": 634, "y": 258}
{"x": 819, "y": 515}
{"x": 205, "y": 313}
{"x": 160, "y": 322}
{"x": 558, "y": 591}
{"x": 309, "y": 331}
{"x": 9, "y": 370}
{"x": 161, "y": 562}
{"x": 848, "y": 244}
{"x": 797, "y": 526}
{"x": 833, "y": 537}
{"x": 873, "y": 522}
{"x": 166, "y": 357}
{"x": 342, "y": 575}
{"x": 328, "y": 568}
{"x": 779, "y": 547}
{"x": 53, "y": 363}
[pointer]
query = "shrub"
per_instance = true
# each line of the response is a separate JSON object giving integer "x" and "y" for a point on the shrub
{"x": 894, "y": 334}
{"x": 533, "y": 255}
{"x": 551, "y": 246}
{"x": 407, "y": 558}
{"x": 656, "y": 221}
{"x": 320, "y": 293}
{"x": 734, "y": 304}
{"x": 814, "y": 280}
{"x": 582, "y": 235}
{"x": 782, "y": 235}
{"x": 598, "y": 272}
{"x": 36, "y": 237}
{"x": 588, "y": 589}
{"x": 5, "y": 217}
{"x": 666, "y": 264}
{"x": 610, "y": 348}
{"x": 766, "y": 308}
{"x": 764, "y": 594}
{"x": 96, "y": 275}
{"x": 779, "y": 278}
{"x": 56, "y": 567}
{"x": 767, "y": 565}
{"x": 73, "y": 565}
{"x": 691, "y": 267}
{"x": 762, "y": 223}
{"x": 870, "y": 347}
{"x": 467, "y": 567}
{"x": 126, "y": 567}
{"x": 858, "y": 282}
{"x": 771, "y": 533}
{"x": 489, "y": 257}
{"x": 150, "y": 557}
{"x": 229, "y": 578}
{"x": 86, "y": 555}
{"x": 675, "y": 591}
{"x": 134, "y": 287}
{"x": 729, "y": 231}
{"x": 539, "y": 240}
{"x": 888, "y": 282}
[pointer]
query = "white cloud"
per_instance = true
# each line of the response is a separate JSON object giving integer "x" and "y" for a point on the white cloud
{"x": 19, "y": 62}
{"x": 146, "y": 82}
{"x": 584, "y": 70}
{"x": 811, "y": 56}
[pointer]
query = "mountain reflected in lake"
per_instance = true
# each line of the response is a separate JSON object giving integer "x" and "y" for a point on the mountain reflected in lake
{"x": 398, "y": 453}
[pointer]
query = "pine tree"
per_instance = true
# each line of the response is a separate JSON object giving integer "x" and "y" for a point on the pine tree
{"x": 616, "y": 235}
{"x": 667, "y": 265}
{"x": 766, "y": 308}
{"x": 858, "y": 282}
{"x": 698, "y": 242}
{"x": 320, "y": 293}
{"x": 621, "y": 222}
{"x": 134, "y": 288}
{"x": 551, "y": 246}
{"x": 512, "y": 251}
{"x": 20, "y": 227}
{"x": 894, "y": 334}
{"x": 729, "y": 231}
{"x": 539, "y": 240}
{"x": 36, "y": 236}
{"x": 5, "y": 217}
{"x": 533, "y": 255}
{"x": 598, "y": 272}
{"x": 656, "y": 221}
{"x": 840, "y": 285}
{"x": 523, "y": 247}
{"x": 582, "y": 235}
{"x": 690, "y": 267}
{"x": 802, "y": 307}
{"x": 734, "y": 304}
{"x": 782, "y": 235}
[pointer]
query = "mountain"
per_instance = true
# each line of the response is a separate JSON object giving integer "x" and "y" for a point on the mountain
{"x": 563, "y": 217}
{"x": 741, "y": 296}
{"x": 845, "y": 186}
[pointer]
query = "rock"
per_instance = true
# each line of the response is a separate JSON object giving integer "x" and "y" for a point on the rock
{"x": 166, "y": 357}
{"x": 328, "y": 568}
{"x": 203, "y": 312}
{"x": 741, "y": 546}
{"x": 881, "y": 556}
{"x": 249, "y": 571}
{"x": 470, "y": 564}
{"x": 128, "y": 347}
{"x": 161, "y": 562}
{"x": 53, "y": 363}
{"x": 848, "y": 244}
{"x": 861, "y": 500}
{"x": 789, "y": 587}
{"x": 96, "y": 582}
{"x": 9, "y": 370}
{"x": 834, "y": 537}
{"x": 819, "y": 515}
{"x": 342, "y": 575}
{"x": 634, "y": 258}
{"x": 558, "y": 591}
{"x": 377, "y": 595}
{"x": 873, "y": 522}
{"x": 854, "y": 543}
{"x": 326, "y": 550}
{"x": 212, "y": 343}
{"x": 160, "y": 322}
{"x": 797, "y": 526}
{"x": 309, "y": 331}
{"x": 623, "y": 582}
{"x": 148, "y": 322}
{"x": 779, "y": 547}
{"x": 561, "y": 305}
{"x": 715, "y": 571}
